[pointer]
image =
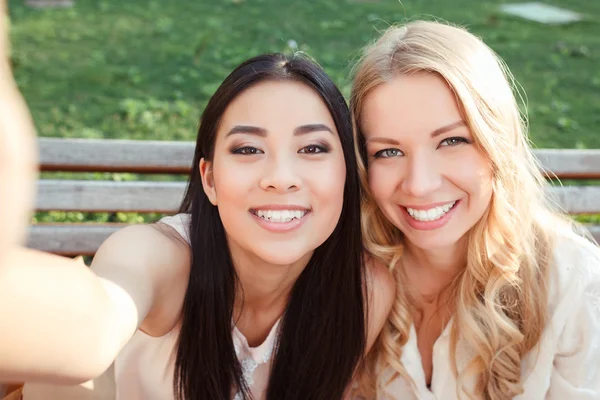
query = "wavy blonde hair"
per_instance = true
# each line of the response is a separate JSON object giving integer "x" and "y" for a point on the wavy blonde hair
{"x": 500, "y": 298}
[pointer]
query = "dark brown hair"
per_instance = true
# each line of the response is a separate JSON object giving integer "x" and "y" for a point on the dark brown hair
{"x": 322, "y": 332}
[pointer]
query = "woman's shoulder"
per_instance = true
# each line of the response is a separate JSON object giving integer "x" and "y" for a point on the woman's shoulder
{"x": 379, "y": 276}
{"x": 575, "y": 315}
{"x": 148, "y": 242}
{"x": 574, "y": 273}
{"x": 575, "y": 258}
{"x": 381, "y": 293}
{"x": 179, "y": 224}
{"x": 151, "y": 263}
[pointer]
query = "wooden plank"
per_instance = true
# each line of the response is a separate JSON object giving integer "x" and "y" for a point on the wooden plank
{"x": 577, "y": 199}
{"x": 595, "y": 231}
{"x": 70, "y": 239}
{"x": 84, "y": 239}
{"x": 165, "y": 197}
{"x": 109, "y": 155}
{"x": 570, "y": 163}
{"x": 70, "y": 195}
{"x": 103, "y": 155}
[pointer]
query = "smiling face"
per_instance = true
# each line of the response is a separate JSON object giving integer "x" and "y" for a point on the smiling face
{"x": 278, "y": 172}
{"x": 425, "y": 172}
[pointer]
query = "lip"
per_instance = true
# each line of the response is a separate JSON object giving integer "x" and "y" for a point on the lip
{"x": 428, "y": 206}
{"x": 429, "y": 225}
{"x": 281, "y": 207}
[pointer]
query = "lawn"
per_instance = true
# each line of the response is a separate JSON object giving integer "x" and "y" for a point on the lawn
{"x": 145, "y": 69}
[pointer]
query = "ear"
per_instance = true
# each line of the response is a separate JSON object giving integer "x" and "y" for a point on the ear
{"x": 208, "y": 183}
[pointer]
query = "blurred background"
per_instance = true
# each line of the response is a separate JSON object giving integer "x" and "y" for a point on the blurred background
{"x": 144, "y": 69}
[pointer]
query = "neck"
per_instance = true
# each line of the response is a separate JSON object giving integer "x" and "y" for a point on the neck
{"x": 430, "y": 272}
{"x": 265, "y": 287}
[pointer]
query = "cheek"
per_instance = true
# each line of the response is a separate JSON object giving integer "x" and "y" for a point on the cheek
{"x": 328, "y": 182}
{"x": 232, "y": 180}
{"x": 323, "y": 186}
{"x": 475, "y": 175}
{"x": 381, "y": 182}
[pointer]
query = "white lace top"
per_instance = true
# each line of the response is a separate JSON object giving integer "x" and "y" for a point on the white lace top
{"x": 144, "y": 369}
{"x": 567, "y": 366}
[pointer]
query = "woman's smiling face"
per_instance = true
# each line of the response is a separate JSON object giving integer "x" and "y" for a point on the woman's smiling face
{"x": 425, "y": 172}
{"x": 278, "y": 172}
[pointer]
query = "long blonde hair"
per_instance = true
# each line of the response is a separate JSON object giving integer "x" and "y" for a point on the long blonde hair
{"x": 500, "y": 298}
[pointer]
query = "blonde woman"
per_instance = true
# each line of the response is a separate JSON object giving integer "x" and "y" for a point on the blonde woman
{"x": 498, "y": 297}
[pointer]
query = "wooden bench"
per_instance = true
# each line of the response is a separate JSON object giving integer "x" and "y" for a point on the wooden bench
{"x": 174, "y": 158}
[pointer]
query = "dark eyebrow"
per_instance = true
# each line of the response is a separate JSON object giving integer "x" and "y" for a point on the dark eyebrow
{"x": 301, "y": 130}
{"x": 255, "y": 130}
{"x": 447, "y": 128}
{"x": 248, "y": 129}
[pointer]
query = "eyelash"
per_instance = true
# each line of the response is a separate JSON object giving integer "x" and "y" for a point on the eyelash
{"x": 456, "y": 141}
{"x": 459, "y": 140}
{"x": 319, "y": 149}
{"x": 249, "y": 150}
{"x": 380, "y": 153}
{"x": 246, "y": 151}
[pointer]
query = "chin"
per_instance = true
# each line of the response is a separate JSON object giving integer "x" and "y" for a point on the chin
{"x": 432, "y": 242}
{"x": 282, "y": 256}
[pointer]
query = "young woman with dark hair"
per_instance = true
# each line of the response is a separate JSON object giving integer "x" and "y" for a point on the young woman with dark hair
{"x": 256, "y": 289}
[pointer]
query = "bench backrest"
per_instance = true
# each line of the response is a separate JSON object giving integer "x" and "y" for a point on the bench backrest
{"x": 174, "y": 158}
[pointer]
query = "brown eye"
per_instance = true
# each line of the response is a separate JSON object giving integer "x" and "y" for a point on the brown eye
{"x": 247, "y": 150}
{"x": 313, "y": 149}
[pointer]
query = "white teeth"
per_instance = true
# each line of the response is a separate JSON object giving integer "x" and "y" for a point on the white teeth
{"x": 280, "y": 215}
{"x": 432, "y": 214}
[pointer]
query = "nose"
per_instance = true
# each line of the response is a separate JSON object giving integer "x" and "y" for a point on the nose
{"x": 422, "y": 175}
{"x": 280, "y": 175}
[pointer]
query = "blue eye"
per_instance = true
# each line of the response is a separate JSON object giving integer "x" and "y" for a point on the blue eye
{"x": 313, "y": 149}
{"x": 453, "y": 141}
{"x": 247, "y": 150}
{"x": 388, "y": 153}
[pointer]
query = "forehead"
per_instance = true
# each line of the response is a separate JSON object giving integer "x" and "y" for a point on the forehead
{"x": 277, "y": 105}
{"x": 411, "y": 104}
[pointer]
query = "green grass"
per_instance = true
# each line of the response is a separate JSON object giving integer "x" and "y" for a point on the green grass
{"x": 144, "y": 69}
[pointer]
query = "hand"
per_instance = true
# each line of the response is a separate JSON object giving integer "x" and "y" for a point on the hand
{"x": 18, "y": 153}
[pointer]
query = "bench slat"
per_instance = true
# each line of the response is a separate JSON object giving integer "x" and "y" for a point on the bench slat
{"x": 109, "y": 155}
{"x": 165, "y": 197}
{"x": 84, "y": 239}
{"x": 570, "y": 163}
{"x": 70, "y": 239}
{"x": 578, "y": 199}
{"x": 79, "y": 195}
{"x": 595, "y": 231}
{"x": 104, "y": 155}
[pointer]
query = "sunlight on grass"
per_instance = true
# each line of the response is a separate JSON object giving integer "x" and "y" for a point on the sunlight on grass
{"x": 145, "y": 69}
